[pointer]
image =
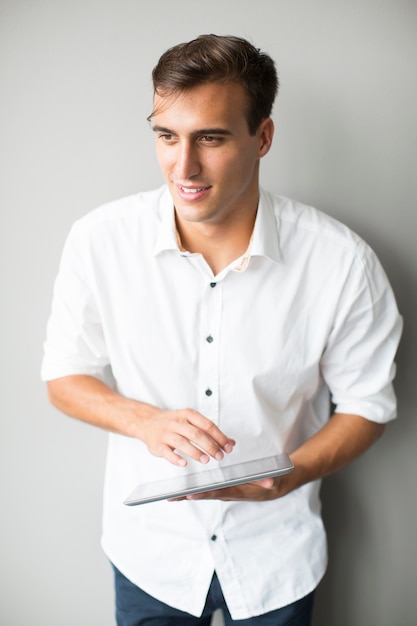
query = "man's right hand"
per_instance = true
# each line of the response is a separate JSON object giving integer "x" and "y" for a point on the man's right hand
{"x": 168, "y": 433}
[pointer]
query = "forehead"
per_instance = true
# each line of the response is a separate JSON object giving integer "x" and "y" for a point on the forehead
{"x": 207, "y": 105}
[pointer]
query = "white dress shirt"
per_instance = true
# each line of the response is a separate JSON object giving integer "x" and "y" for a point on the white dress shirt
{"x": 256, "y": 349}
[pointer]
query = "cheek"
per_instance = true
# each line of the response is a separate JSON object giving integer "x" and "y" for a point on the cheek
{"x": 225, "y": 165}
{"x": 238, "y": 169}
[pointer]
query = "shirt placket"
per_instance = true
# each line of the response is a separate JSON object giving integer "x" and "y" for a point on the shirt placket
{"x": 208, "y": 378}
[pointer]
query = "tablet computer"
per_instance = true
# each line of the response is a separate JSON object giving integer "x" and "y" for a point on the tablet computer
{"x": 206, "y": 480}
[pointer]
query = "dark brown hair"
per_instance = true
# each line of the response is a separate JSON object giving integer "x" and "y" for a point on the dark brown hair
{"x": 219, "y": 59}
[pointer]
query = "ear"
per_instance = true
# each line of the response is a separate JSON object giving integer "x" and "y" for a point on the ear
{"x": 265, "y": 133}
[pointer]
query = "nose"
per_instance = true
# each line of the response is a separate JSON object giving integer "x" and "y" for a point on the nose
{"x": 187, "y": 163}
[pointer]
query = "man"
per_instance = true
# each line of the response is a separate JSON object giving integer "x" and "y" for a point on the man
{"x": 229, "y": 317}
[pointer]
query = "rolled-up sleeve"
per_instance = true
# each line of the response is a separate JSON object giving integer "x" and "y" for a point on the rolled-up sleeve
{"x": 75, "y": 341}
{"x": 358, "y": 363}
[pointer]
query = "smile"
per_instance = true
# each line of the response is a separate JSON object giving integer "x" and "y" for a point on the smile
{"x": 192, "y": 194}
{"x": 192, "y": 190}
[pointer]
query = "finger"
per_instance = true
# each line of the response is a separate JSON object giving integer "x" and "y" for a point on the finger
{"x": 210, "y": 430}
{"x": 266, "y": 483}
{"x": 189, "y": 433}
{"x": 172, "y": 457}
{"x": 192, "y": 442}
{"x": 250, "y": 492}
{"x": 180, "y": 444}
{"x": 203, "y": 439}
{"x": 239, "y": 492}
{"x": 175, "y": 445}
{"x": 206, "y": 495}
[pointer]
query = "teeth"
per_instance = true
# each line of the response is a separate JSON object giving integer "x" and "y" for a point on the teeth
{"x": 187, "y": 190}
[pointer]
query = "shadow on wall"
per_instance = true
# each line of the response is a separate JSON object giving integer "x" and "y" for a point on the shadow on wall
{"x": 335, "y": 590}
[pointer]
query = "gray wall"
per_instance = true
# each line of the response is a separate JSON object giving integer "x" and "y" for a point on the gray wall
{"x": 75, "y": 82}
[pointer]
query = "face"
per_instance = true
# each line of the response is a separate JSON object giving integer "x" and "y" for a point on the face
{"x": 206, "y": 153}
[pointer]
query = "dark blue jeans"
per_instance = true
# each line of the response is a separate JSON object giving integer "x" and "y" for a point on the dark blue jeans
{"x": 134, "y": 607}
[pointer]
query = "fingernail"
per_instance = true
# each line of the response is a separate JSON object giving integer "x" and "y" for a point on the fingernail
{"x": 218, "y": 456}
{"x": 228, "y": 447}
{"x": 204, "y": 458}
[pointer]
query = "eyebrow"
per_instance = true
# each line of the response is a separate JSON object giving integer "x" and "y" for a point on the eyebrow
{"x": 201, "y": 131}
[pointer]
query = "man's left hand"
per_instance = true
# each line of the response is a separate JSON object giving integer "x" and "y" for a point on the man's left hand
{"x": 257, "y": 491}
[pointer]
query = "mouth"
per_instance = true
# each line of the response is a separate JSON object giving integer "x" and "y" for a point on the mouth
{"x": 191, "y": 190}
{"x": 192, "y": 193}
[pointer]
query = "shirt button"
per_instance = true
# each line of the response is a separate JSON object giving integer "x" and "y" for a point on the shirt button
{"x": 208, "y": 392}
{"x": 213, "y": 285}
{"x": 213, "y": 537}
{"x": 209, "y": 339}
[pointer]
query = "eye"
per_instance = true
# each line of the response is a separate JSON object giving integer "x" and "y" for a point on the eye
{"x": 210, "y": 139}
{"x": 166, "y": 137}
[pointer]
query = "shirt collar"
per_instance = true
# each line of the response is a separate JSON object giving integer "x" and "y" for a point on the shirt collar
{"x": 264, "y": 240}
{"x": 166, "y": 237}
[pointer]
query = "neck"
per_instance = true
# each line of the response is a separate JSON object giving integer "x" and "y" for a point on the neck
{"x": 220, "y": 244}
